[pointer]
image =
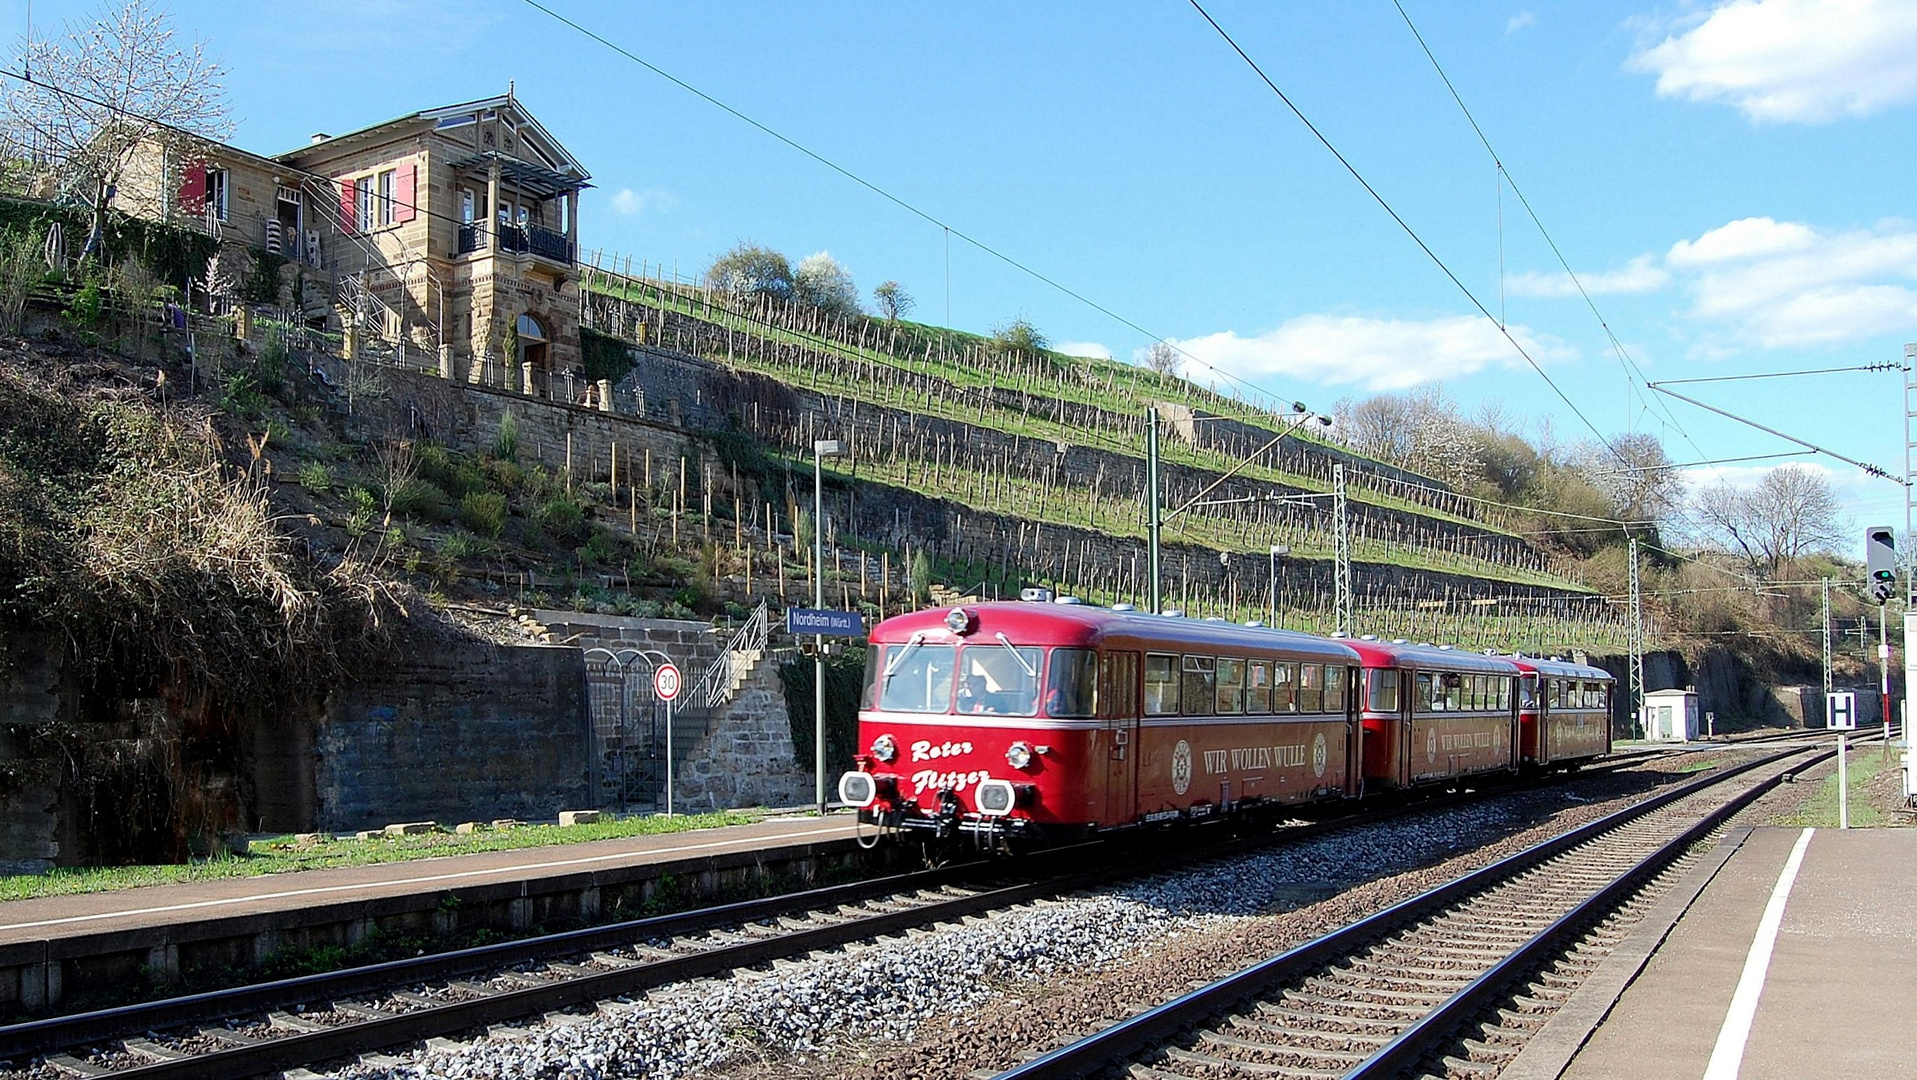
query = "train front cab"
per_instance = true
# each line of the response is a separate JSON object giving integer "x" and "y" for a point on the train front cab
{"x": 1564, "y": 712}
{"x": 1433, "y": 714}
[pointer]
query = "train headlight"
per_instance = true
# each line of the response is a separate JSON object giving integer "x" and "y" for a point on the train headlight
{"x": 1018, "y": 755}
{"x": 885, "y": 748}
{"x": 996, "y": 798}
{"x": 858, "y": 789}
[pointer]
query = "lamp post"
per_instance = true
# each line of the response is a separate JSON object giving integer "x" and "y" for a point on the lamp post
{"x": 1278, "y": 551}
{"x": 821, "y": 449}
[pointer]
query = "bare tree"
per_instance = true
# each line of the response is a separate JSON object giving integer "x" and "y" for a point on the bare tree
{"x": 113, "y": 85}
{"x": 1420, "y": 430}
{"x": 893, "y": 301}
{"x": 1635, "y": 474}
{"x": 1791, "y": 513}
{"x": 1163, "y": 358}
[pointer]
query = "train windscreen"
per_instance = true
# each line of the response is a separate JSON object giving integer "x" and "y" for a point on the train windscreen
{"x": 1000, "y": 680}
{"x": 917, "y": 678}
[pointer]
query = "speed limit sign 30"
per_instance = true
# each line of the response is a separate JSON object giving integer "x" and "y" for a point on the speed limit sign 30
{"x": 665, "y": 682}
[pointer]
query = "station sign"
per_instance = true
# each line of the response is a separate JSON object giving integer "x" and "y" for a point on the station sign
{"x": 824, "y": 621}
{"x": 1840, "y": 711}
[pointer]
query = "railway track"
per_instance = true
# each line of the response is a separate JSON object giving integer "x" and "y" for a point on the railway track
{"x": 1389, "y": 995}
{"x": 265, "y": 1028}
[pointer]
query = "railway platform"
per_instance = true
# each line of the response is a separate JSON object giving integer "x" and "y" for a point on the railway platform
{"x": 59, "y": 947}
{"x": 1785, "y": 953}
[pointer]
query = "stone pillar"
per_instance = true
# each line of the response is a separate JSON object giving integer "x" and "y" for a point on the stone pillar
{"x": 526, "y": 379}
{"x": 572, "y": 222}
{"x": 349, "y": 349}
{"x": 446, "y": 362}
{"x": 605, "y": 395}
{"x": 242, "y": 322}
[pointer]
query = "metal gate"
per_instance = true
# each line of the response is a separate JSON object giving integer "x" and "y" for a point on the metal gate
{"x": 628, "y": 734}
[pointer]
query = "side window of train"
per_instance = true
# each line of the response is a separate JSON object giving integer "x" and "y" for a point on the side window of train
{"x": 1258, "y": 687}
{"x": 1383, "y": 689}
{"x": 1556, "y": 699}
{"x": 1424, "y": 699}
{"x": 1528, "y": 692}
{"x": 1453, "y": 691}
{"x": 1161, "y": 685}
{"x": 1200, "y": 685}
{"x": 1072, "y": 683}
{"x": 1337, "y": 676}
{"x": 1284, "y": 687}
{"x": 1231, "y": 685}
{"x": 1311, "y": 688}
{"x": 1504, "y": 694}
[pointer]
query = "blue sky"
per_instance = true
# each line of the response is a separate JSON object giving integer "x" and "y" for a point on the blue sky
{"x": 1731, "y": 180}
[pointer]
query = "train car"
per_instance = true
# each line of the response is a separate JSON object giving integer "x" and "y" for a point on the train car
{"x": 1433, "y": 714}
{"x": 1564, "y": 712}
{"x": 1056, "y": 720}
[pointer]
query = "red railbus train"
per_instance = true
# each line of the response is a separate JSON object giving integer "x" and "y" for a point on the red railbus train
{"x": 1059, "y": 719}
{"x": 1055, "y": 720}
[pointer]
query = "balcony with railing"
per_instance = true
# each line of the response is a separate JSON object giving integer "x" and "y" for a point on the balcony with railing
{"x": 519, "y": 240}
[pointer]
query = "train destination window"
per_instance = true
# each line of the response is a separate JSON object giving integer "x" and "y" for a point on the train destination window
{"x": 1231, "y": 685}
{"x": 1161, "y": 685}
{"x": 1258, "y": 687}
{"x": 1311, "y": 688}
{"x": 917, "y": 678}
{"x": 1072, "y": 684}
{"x": 1383, "y": 688}
{"x": 1284, "y": 688}
{"x": 1199, "y": 682}
{"x": 1335, "y": 677}
{"x": 999, "y": 679}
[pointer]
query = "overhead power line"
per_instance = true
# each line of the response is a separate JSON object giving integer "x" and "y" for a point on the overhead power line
{"x": 1781, "y": 374}
{"x": 1408, "y": 230}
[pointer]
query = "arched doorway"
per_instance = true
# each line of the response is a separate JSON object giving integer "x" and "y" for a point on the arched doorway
{"x": 534, "y": 344}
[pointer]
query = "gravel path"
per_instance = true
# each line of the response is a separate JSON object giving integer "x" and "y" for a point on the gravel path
{"x": 988, "y": 992}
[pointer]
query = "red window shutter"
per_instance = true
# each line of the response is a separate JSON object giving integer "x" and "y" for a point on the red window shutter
{"x": 405, "y": 192}
{"x": 193, "y": 188}
{"x": 348, "y": 209}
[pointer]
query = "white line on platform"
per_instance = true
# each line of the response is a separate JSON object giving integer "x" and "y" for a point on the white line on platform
{"x": 426, "y": 879}
{"x": 1728, "y": 1057}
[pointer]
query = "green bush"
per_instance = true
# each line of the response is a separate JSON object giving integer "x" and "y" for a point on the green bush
{"x": 421, "y": 499}
{"x": 240, "y": 395}
{"x": 456, "y": 547}
{"x": 562, "y": 517}
{"x": 603, "y": 548}
{"x": 484, "y": 512}
{"x": 361, "y": 508}
{"x": 506, "y": 443}
{"x": 316, "y": 477}
{"x": 507, "y": 474}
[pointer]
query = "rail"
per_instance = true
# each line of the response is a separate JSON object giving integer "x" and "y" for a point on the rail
{"x": 715, "y": 685}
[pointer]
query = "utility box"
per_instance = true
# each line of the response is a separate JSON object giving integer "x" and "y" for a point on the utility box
{"x": 1669, "y": 716}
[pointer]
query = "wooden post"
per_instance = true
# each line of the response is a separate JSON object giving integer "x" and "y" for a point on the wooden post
{"x": 632, "y": 508}
{"x": 614, "y": 481}
{"x": 568, "y": 461}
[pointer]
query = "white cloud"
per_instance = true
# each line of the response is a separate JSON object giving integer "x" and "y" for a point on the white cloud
{"x": 1640, "y": 275}
{"x": 1519, "y": 21}
{"x": 1083, "y": 348}
{"x": 627, "y": 202}
{"x": 1379, "y": 354}
{"x": 1742, "y": 239}
{"x": 1816, "y": 288}
{"x": 1809, "y": 61}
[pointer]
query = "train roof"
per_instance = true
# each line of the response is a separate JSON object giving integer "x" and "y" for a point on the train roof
{"x": 1406, "y": 654}
{"x": 1029, "y": 623}
{"x": 1564, "y": 669}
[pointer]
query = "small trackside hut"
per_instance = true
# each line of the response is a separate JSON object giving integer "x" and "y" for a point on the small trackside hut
{"x": 1058, "y": 720}
{"x": 1434, "y": 714}
{"x": 1564, "y": 712}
